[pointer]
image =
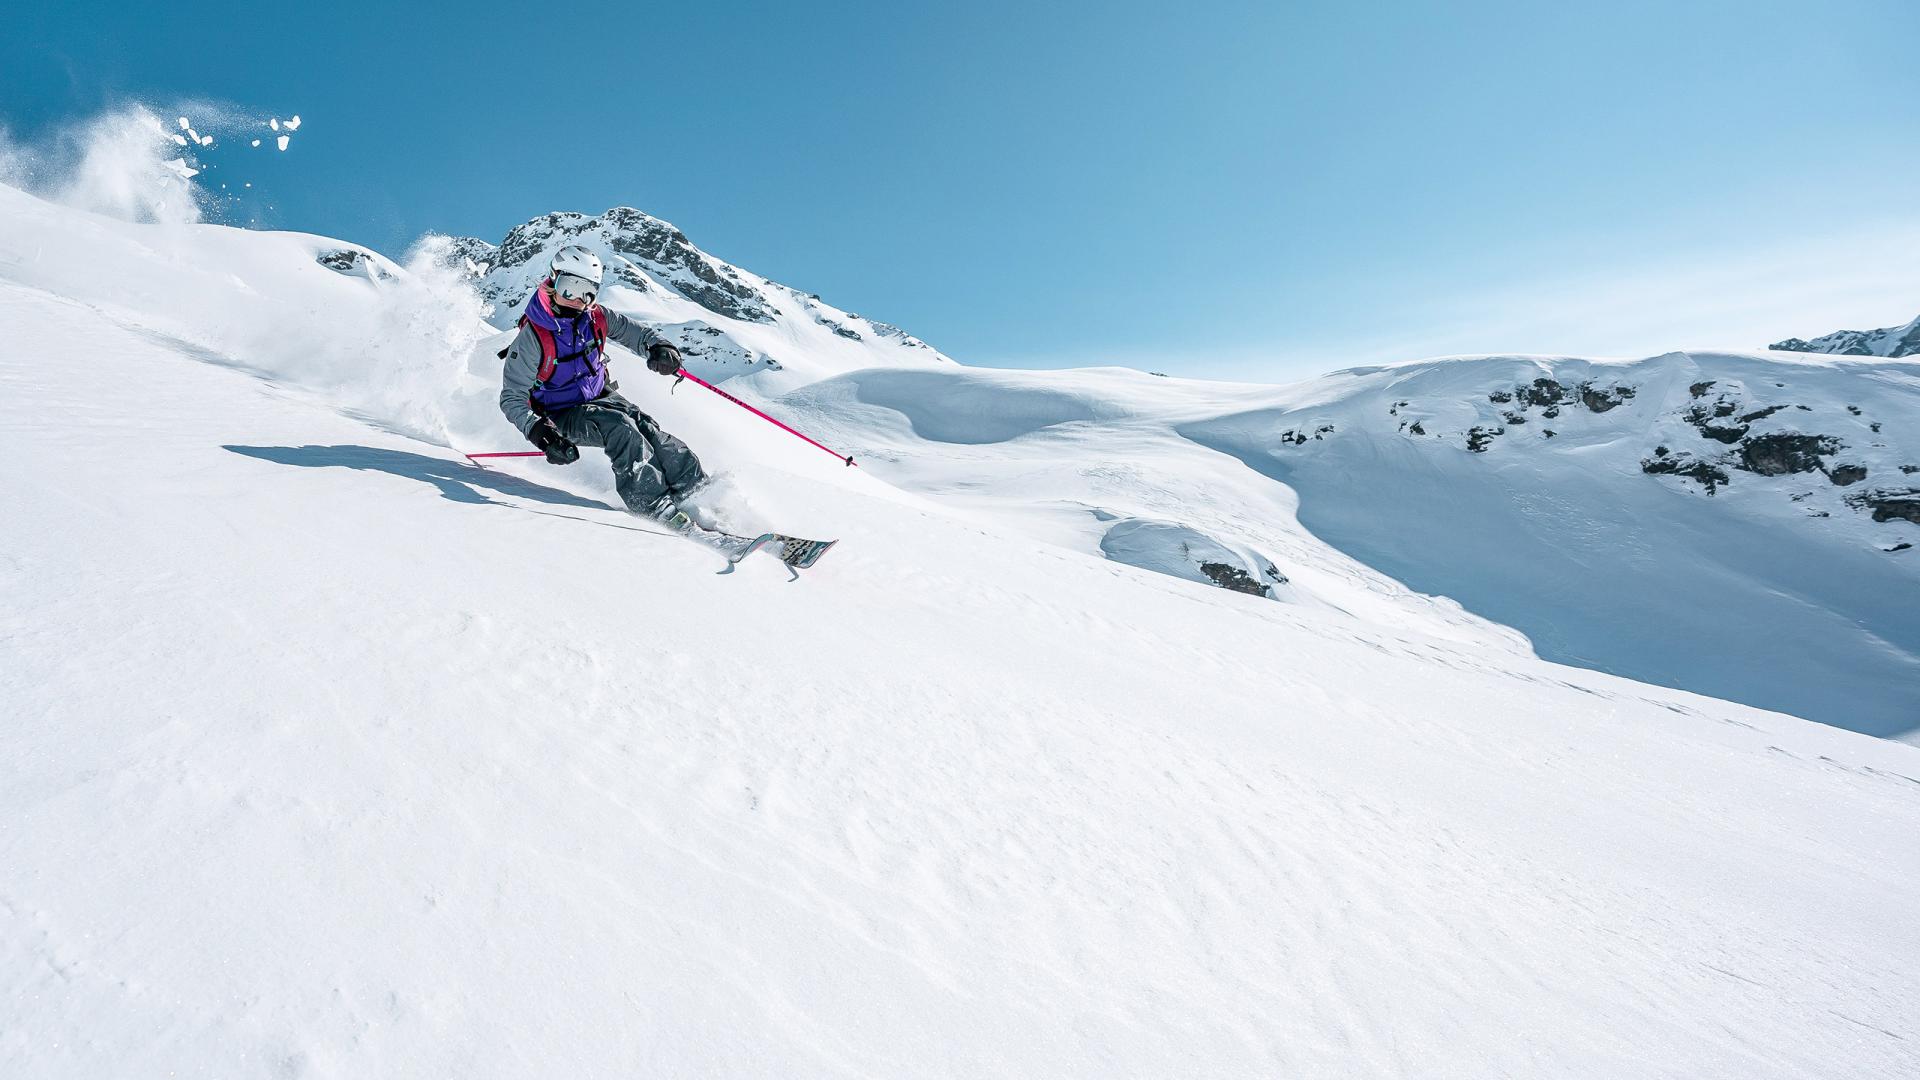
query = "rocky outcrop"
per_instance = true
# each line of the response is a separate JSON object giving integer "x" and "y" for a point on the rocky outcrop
{"x": 1235, "y": 579}
{"x": 1786, "y": 452}
{"x": 1664, "y": 462}
{"x": 1602, "y": 400}
{"x": 1847, "y": 475}
{"x": 352, "y": 262}
{"x": 1888, "y": 504}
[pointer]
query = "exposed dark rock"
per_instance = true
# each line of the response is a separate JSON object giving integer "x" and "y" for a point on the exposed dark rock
{"x": 351, "y": 261}
{"x": 1273, "y": 572}
{"x": 1901, "y": 546}
{"x": 1552, "y": 411}
{"x": 1514, "y": 417}
{"x": 1479, "y": 438}
{"x": 1549, "y": 432}
{"x": 1417, "y": 428}
{"x": 1761, "y": 414}
{"x": 1875, "y": 426}
{"x": 1803, "y": 408}
{"x": 1854, "y": 409}
{"x": 1700, "y": 389}
{"x": 1847, "y": 475}
{"x": 1889, "y": 504}
{"x": 628, "y": 276}
{"x": 1600, "y": 401}
{"x": 1780, "y": 454}
{"x": 1234, "y": 578}
{"x": 1660, "y": 451}
{"x": 1910, "y": 469}
{"x": 1705, "y": 418}
{"x": 1708, "y": 474}
{"x": 1543, "y": 392}
{"x": 1500, "y": 397}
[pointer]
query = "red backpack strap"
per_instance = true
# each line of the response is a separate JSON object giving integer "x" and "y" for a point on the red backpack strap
{"x": 599, "y": 315}
{"x": 549, "y": 349}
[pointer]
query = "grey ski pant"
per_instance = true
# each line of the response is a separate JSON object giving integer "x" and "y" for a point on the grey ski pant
{"x": 652, "y": 470}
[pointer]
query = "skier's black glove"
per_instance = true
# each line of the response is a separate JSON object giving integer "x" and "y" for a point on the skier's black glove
{"x": 555, "y": 445}
{"x": 663, "y": 359}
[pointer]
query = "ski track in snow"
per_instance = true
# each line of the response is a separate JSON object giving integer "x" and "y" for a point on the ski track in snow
{"x": 329, "y": 755}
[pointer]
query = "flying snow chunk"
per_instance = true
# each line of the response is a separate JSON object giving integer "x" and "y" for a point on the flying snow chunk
{"x": 274, "y": 123}
{"x": 283, "y": 141}
{"x": 294, "y": 124}
{"x": 182, "y": 169}
{"x": 256, "y": 142}
{"x": 206, "y": 140}
{"x": 180, "y": 140}
{"x": 183, "y": 123}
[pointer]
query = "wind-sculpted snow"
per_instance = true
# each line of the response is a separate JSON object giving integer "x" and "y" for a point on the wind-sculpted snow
{"x": 973, "y": 407}
{"x": 1177, "y": 550}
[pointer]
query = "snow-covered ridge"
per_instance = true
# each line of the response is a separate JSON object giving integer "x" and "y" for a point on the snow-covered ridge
{"x": 1743, "y": 525}
{"x": 1889, "y": 341}
{"x": 728, "y": 321}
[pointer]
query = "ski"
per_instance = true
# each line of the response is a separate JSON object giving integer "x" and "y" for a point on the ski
{"x": 795, "y": 551}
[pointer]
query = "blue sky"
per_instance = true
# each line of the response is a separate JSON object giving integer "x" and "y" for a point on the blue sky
{"x": 1225, "y": 189}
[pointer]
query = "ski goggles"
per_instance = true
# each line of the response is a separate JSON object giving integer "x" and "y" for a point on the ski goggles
{"x": 573, "y": 290}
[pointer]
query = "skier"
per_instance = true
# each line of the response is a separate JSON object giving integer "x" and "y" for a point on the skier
{"x": 557, "y": 391}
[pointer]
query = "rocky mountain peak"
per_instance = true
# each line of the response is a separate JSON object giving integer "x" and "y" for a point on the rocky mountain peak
{"x": 1892, "y": 341}
{"x": 728, "y": 321}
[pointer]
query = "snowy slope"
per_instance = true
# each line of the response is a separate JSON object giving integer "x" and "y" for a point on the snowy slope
{"x": 1890, "y": 341}
{"x": 326, "y": 754}
{"x": 1743, "y": 526}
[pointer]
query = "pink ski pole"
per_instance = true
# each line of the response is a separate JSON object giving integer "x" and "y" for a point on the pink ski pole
{"x": 685, "y": 374}
{"x": 475, "y": 458}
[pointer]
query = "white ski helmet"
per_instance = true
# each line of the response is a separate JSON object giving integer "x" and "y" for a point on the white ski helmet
{"x": 576, "y": 275}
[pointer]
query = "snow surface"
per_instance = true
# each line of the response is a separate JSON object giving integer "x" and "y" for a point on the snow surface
{"x": 327, "y": 754}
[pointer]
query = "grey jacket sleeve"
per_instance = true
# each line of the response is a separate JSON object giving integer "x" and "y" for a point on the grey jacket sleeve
{"x": 518, "y": 377}
{"x": 633, "y": 334}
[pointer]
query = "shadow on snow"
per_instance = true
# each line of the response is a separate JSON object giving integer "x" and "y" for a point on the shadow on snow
{"x": 458, "y": 482}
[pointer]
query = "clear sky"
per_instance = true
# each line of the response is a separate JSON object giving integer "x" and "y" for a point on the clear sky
{"x": 1248, "y": 190}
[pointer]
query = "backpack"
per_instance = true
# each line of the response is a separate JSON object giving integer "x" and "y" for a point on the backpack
{"x": 550, "y": 349}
